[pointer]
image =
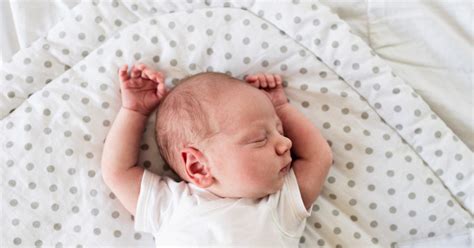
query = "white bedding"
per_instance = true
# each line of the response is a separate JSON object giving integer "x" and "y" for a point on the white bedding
{"x": 395, "y": 30}
{"x": 373, "y": 166}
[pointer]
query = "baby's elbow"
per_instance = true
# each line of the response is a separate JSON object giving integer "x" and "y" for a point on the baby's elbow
{"x": 329, "y": 157}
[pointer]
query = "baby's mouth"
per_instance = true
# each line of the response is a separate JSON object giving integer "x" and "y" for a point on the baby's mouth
{"x": 286, "y": 168}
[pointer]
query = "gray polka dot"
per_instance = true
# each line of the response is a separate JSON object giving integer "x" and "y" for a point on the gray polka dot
{"x": 29, "y": 79}
{"x": 17, "y": 241}
{"x": 391, "y": 191}
{"x": 349, "y": 165}
{"x": 57, "y": 226}
{"x": 392, "y": 210}
{"x": 371, "y": 187}
{"x": 393, "y": 227}
{"x": 351, "y": 183}
{"x": 373, "y": 224}
{"x": 190, "y": 28}
{"x": 98, "y": 19}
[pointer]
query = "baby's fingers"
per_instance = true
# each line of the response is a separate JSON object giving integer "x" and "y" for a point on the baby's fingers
{"x": 123, "y": 73}
{"x": 148, "y": 74}
{"x": 251, "y": 78}
{"x": 270, "y": 80}
{"x": 277, "y": 79}
{"x": 162, "y": 91}
{"x": 135, "y": 71}
{"x": 262, "y": 80}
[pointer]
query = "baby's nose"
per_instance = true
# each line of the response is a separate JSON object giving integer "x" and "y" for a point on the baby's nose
{"x": 284, "y": 145}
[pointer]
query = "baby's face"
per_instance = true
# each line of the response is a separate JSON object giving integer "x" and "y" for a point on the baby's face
{"x": 250, "y": 156}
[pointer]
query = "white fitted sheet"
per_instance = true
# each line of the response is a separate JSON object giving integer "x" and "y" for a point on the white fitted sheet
{"x": 322, "y": 96}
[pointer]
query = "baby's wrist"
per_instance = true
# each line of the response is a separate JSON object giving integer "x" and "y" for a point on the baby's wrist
{"x": 134, "y": 112}
{"x": 281, "y": 106}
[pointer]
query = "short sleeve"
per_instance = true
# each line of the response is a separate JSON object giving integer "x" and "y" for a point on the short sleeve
{"x": 156, "y": 202}
{"x": 290, "y": 212}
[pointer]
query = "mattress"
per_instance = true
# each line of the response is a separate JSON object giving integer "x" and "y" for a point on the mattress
{"x": 399, "y": 173}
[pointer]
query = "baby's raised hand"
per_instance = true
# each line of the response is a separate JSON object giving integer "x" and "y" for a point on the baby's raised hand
{"x": 143, "y": 89}
{"x": 271, "y": 84}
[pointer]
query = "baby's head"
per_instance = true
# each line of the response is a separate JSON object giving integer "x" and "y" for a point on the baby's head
{"x": 223, "y": 134}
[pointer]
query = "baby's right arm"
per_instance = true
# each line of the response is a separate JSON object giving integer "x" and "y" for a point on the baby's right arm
{"x": 312, "y": 152}
{"x": 141, "y": 93}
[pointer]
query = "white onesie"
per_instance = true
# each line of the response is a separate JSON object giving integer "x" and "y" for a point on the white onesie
{"x": 182, "y": 214}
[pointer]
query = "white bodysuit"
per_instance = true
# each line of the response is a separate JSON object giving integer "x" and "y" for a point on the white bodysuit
{"x": 182, "y": 214}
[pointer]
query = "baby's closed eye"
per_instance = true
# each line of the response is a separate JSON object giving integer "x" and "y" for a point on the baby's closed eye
{"x": 264, "y": 138}
{"x": 260, "y": 140}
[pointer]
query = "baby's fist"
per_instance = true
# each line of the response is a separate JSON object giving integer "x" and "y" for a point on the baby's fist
{"x": 271, "y": 84}
{"x": 143, "y": 89}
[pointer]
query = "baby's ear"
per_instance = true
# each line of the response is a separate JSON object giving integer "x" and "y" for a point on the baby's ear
{"x": 195, "y": 165}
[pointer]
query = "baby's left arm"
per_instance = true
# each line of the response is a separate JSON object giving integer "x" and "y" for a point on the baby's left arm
{"x": 312, "y": 152}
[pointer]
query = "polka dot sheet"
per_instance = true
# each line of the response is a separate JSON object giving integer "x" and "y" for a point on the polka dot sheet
{"x": 399, "y": 172}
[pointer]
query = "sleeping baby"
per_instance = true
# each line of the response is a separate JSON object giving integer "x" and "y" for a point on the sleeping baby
{"x": 251, "y": 164}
